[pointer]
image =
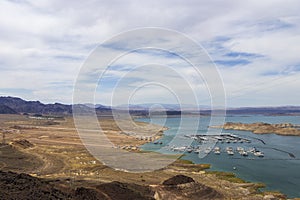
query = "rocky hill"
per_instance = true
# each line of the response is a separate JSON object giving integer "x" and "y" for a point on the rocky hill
{"x": 263, "y": 128}
{"x": 24, "y": 186}
{"x": 6, "y": 110}
{"x": 12, "y": 105}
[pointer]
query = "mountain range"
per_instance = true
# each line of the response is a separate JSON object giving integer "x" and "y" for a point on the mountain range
{"x": 15, "y": 105}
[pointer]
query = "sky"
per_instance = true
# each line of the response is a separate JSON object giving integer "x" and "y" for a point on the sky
{"x": 254, "y": 44}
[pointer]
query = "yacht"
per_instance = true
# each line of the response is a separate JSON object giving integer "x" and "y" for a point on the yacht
{"x": 240, "y": 149}
{"x": 217, "y": 152}
{"x": 253, "y": 150}
{"x": 197, "y": 151}
{"x": 229, "y": 149}
{"x": 259, "y": 154}
{"x": 217, "y": 148}
{"x": 244, "y": 153}
{"x": 189, "y": 149}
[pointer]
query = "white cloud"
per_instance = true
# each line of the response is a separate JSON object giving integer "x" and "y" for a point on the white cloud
{"x": 46, "y": 42}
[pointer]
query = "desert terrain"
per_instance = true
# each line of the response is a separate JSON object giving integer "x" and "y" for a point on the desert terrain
{"x": 46, "y": 156}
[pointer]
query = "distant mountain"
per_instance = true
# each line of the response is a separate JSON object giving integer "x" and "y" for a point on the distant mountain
{"x": 97, "y": 106}
{"x": 19, "y": 105}
{"x": 13, "y": 105}
{"x": 169, "y": 107}
{"x": 281, "y": 110}
{"x": 6, "y": 110}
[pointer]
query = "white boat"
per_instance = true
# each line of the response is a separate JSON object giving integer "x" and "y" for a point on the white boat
{"x": 204, "y": 138}
{"x": 259, "y": 154}
{"x": 179, "y": 148}
{"x": 194, "y": 138}
{"x": 217, "y": 148}
{"x": 217, "y": 152}
{"x": 229, "y": 152}
{"x": 189, "y": 149}
{"x": 240, "y": 149}
{"x": 253, "y": 150}
{"x": 197, "y": 151}
{"x": 229, "y": 149}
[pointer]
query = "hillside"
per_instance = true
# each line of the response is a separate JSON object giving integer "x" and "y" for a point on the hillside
{"x": 6, "y": 110}
{"x": 14, "y": 105}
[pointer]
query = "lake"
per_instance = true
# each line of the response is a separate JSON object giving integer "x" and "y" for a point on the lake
{"x": 277, "y": 169}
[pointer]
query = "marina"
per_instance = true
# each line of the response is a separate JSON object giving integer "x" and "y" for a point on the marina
{"x": 218, "y": 151}
{"x": 279, "y": 155}
{"x": 221, "y": 138}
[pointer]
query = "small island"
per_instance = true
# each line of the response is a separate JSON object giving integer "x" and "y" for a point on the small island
{"x": 285, "y": 129}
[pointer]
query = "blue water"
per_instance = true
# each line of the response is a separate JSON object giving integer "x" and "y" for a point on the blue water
{"x": 277, "y": 169}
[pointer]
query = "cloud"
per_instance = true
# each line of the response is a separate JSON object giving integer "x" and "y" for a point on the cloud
{"x": 255, "y": 44}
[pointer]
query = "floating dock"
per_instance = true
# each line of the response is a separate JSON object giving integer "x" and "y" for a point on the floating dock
{"x": 223, "y": 138}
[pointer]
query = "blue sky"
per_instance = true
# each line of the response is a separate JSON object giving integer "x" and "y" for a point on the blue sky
{"x": 255, "y": 45}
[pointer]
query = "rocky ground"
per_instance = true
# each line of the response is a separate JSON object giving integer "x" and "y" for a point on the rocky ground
{"x": 24, "y": 186}
{"x": 263, "y": 128}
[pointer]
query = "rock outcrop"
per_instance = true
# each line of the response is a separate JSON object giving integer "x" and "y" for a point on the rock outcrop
{"x": 263, "y": 128}
{"x": 23, "y": 186}
{"x": 183, "y": 187}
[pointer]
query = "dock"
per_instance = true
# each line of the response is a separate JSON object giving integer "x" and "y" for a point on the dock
{"x": 222, "y": 138}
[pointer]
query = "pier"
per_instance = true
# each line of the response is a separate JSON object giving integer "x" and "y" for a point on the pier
{"x": 222, "y": 138}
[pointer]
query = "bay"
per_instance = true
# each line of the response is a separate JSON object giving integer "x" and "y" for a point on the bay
{"x": 278, "y": 170}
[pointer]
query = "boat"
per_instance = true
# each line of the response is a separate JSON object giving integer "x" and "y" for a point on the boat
{"x": 240, "y": 149}
{"x": 194, "y": 138}
{"x": 244, "y": 153}
{"x": 179, "y": 148}
{"x": 253, "y": 150}
{"x": 231, "y": 153}
{"x": 259, "y": 154}
{"x": 189, "y": 149}
{"x": 229, "y": 149}
{"x": 204, "y": 138}
{"x": 217, "y": 148}
{"x": 217, "y": 152}
{"x": 197, "y": 151}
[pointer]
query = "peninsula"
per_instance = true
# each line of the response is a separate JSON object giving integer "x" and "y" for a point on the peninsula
{"x": 285, "y": 129}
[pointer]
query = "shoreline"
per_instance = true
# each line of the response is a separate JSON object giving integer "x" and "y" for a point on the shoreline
{"x": 230, "y": 176}
{"x": 63, "y": 156}
{"x": 283, "y": 129}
